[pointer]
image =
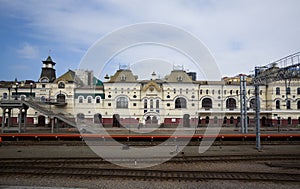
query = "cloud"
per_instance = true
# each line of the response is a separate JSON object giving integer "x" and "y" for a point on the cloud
{"x": 28, "y": 51}
{"x": 237, "y": 32}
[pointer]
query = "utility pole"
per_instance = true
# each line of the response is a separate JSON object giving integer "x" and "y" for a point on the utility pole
{"x": 243, "y": 105}
{"x": 283, "y": 69}
{"x": 257, "y": 110}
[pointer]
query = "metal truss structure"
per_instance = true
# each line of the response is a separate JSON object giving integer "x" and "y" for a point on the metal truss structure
{"x": 285, "y": 69}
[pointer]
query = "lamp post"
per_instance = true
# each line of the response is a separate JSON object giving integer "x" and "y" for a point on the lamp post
{"x": 31, "y": 84}
{"x": 17, "y": 86}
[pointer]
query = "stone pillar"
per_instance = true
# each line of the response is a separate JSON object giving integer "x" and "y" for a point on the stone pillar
{"x": 3, "y": 119}
{"x": 20, "y": 120}
{"x": 52, "y": 125}
{"x": 9, "y": 117}
{"x": 25, "y": 120}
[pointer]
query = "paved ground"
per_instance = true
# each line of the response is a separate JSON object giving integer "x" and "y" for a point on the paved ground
{"x": 13, "y": 151}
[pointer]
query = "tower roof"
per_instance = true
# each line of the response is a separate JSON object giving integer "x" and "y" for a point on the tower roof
{"x": 49, "y": 61}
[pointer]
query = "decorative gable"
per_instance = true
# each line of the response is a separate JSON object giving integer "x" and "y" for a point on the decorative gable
{"x": 151, "y": 86}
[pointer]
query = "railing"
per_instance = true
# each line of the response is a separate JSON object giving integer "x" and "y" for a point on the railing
{"x": 44, "y": 106}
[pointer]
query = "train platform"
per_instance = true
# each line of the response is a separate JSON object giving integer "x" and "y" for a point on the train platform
{"x": 151, "y": 134}
{"x": 128, "y": 129}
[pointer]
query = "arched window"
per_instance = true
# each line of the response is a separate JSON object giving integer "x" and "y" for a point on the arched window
{"x": 80, "y": 116}
{"x": 225, "y": 120}
{"x": 207, "y": 91}
{"x": 122, "y": 102}
{"x": 145, "y": 103}
{"x": 207, "y": 103}
{"x": 44, "y": 80}
{"x": 98, "y": 99}
{"x": 89, "y": 99}
{"x": 215, "y": 120}
{"x": 277, "y": 91}
{"x": 4, "y": 95}
{"x": 206, "y": 120}
{"x": 231, "y": 103}
{"x": 43, "y": 99}
{"x": 157, "y": 104}
{"x": 277, "y": 104}
{"x": 289, "y": 121}
{"x": 123, "y": 78}
{"x": 298, "y": 105}
{"x": 80, "y": 99}
{"x": 61, "y": 85}
{"x": 186, "y": 120}
{"x": 23, "y": 97}
{"x": 252, "y": 103}
{"x": 180, "y": 103}
{"x": 288, "y": 104}
{"x": 231, "y": 120}
{"x": 97, "y": 118}
{"x": 61, "y": 98}
{"x": 151, "y": 104}
{"x": 238, "y": 119}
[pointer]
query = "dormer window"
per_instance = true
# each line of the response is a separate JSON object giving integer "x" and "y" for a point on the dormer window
{"x": 179, "y": 78}
{"x": 123, "y": 78}
{"x": 61, "y": 85}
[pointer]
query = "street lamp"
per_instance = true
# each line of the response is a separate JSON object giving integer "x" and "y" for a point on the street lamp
{"x": 17, "y": 86}
{"x": 31, "y": 89}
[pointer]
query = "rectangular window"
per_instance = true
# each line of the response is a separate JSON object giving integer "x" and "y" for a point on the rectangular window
{"x": 288, "y": 90}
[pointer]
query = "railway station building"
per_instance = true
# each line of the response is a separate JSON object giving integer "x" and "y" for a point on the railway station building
{"x": 122, "y": 99}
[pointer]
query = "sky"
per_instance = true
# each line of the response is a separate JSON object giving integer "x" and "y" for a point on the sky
{"x": 239, "y": 34}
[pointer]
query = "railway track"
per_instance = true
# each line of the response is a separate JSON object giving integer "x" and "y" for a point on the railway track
{"x": 143, "y": 174}
{"x": 176, "y": 159}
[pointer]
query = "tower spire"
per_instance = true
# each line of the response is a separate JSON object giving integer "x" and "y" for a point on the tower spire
{"x": 48, "y": 74}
